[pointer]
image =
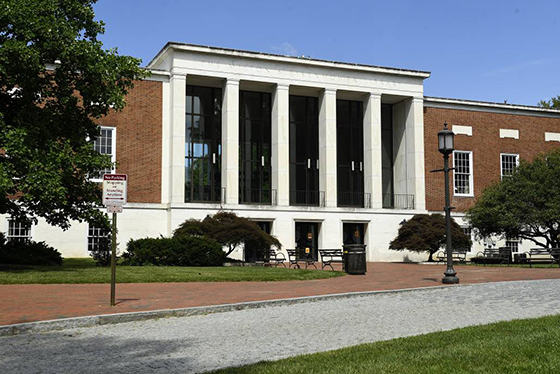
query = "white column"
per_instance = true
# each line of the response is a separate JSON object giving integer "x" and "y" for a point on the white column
{"x": 415, "y": 151}
{"x": 178, "y": 84}
{"x": 327, "y": 146}
{"x": 372, "y": 150}
{"x": 230, "y": 140}
{"x": 280, "y": 144}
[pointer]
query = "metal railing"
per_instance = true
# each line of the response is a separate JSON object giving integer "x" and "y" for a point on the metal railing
{"x": 398, "y": 201}
{"x": 257, "y": 196}
{"x": 354, "y": 199}
{"x": 205, "y": 194}
{"x": 307, "y": 198}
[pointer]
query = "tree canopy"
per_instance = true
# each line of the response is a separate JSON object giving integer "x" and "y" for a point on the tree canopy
{"x": 229, "y": 230}
{"x": 553, "y": 103}
{"x": 55, "y": 81}
{"x": 525, "y": 205}
{"x": 426, "y": 233}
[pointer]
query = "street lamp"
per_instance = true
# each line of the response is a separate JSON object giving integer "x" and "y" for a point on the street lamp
{"x": 445, "y": 147}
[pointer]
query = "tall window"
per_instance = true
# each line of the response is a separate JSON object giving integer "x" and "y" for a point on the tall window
{"x": 387, "y": 155}
{"x": 254, "y": 148}
{"x": 468, "y": 232}
{"x": 18, "y": 231}
{"x": 508, "y": 164}
{"x": 463, "y": 173}
{"x": 106, "y": 145}
{"x": 350, "y": 153}
{"x": 97, "y": 236}
{"x": 304, "y": 151}
{"x": 512, "y": 242}
{"x": 203, "y": 147}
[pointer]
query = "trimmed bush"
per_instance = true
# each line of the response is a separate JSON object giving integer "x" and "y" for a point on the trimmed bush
{"x": 183, "y": 251}
{"x": 29, "y": 253}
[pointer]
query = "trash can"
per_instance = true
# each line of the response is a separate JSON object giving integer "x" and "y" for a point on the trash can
{"x": 354, "y": 256}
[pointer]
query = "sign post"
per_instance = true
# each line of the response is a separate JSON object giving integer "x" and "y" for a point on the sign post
{"x": 114, "y": 197}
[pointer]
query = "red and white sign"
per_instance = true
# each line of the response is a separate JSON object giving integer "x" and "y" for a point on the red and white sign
{"x": 114, "y": 189}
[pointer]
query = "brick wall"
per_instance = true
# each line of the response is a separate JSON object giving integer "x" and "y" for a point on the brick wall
{"x": 485, "y": 144}
{"x": 139, "y": 141}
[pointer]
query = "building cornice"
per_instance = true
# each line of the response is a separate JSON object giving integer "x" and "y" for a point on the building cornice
{"x": 485, "y": 106}
{"x": 284, "y": 58}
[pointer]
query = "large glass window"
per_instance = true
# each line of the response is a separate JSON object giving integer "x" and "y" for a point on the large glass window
{"x": 462, "y": 175}
{"x": 387, "y": 156}
{"x": 304, "y": 151}
{"x": 203, "y": 149}
{"x": 508, "y": 164}
{"x": 105, "y": 144}
{"x": 350, "y": 153}
{"x": 254, "y": 148}
{"x": 98, "y": 236}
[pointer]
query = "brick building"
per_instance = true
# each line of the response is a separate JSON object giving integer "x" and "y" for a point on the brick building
{"x": 318, "y": 153}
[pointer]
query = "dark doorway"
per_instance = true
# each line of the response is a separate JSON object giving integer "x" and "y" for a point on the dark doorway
{"x": 307, "y": 238}
{"x": 252, "y": 253}
{"x": 353, "y": 233}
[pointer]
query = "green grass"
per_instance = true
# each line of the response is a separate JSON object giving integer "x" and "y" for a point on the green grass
{"x": 83, "y": 270}
{"x": 522, "y": 346}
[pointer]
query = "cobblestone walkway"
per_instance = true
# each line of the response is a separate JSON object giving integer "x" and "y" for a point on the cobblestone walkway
{"x": 202, "y": 343}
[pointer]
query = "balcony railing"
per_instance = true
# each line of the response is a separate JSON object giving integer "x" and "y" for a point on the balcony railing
{"x": 257, "y": 196}
{"x": 398, "y": 201}
{"x": 354, "y": 199}
{"x": 307, "y": 198}
{"x": 205, "y": 194}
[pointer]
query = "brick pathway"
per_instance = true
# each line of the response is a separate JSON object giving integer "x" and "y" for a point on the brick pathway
{"x": 27, "y": 303}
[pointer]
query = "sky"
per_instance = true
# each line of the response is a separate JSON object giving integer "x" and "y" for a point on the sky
{"x": 488, "y": 50}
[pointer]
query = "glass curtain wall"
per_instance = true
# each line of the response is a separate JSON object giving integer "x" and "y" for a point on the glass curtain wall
{"x": 304, "y": 151}
{"x": 254, "y": 148}
{"x": 203, "y": 149}
{"x": 350, "y": 153}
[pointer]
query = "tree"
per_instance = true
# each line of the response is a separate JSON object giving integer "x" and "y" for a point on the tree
{"x": 426, "y": 233}
{"x": 230, "y": 230}
{"x": 525, "y": 205}
{"x": 55, "y": 81}
{"x": 553, "y": 103}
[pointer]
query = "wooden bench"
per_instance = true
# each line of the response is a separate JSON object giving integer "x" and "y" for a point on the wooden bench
{"x": 536, "y": 255}
{"x": 275, "y": 258}
{"x": 295, "y": 256}
{"x": 492, "y": 255}
{"x": 456, "y": 255}
{"x": 330, "y": 256}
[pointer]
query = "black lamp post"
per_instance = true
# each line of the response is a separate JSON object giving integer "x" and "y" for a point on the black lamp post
{"x": 446, "y": 146}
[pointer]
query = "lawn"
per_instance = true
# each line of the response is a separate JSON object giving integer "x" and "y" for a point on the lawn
{"x": 83, "y": 270}
{"x": 522, "y": 346}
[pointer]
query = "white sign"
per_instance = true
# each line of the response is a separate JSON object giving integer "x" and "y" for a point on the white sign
{"x": 114, "y": 209}
{"x": 114, "y": 189}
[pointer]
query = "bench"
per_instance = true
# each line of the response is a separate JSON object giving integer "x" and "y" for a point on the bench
{"x": 492, "y": 255}
{"x": 456, "y": 256}
{"x": 330, "y": 256}
{"x": 551, "y": 255}
{"x": 295, "y": 256}
{"x": 275, "y": 258}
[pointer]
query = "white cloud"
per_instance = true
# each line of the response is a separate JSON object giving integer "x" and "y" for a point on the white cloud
{"x": 285, "y": 48}
{"x": 520, "y": 66}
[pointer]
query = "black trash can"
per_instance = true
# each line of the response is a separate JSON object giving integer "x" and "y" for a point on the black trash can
{"x": 355, "y": 258}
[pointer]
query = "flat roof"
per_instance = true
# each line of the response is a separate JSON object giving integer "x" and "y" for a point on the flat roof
{"x": 287, "y": 58}
{"x": 490, "y": 104}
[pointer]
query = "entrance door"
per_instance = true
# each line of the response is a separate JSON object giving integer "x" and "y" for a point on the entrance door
{"x": 307, "y": 238}
{"x": 252, "y": 253}
{"x": 353, "y": 233}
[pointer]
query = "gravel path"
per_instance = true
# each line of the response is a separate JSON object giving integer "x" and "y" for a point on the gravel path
{"x": 202, "y": 343}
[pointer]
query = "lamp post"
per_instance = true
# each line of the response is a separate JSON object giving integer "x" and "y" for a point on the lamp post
{"x": 445, "y": 147}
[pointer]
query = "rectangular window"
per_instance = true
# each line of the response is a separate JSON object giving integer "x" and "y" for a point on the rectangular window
{"x": 18, "y": 231}
{"x": 106, "y": 145}
{"x": 463, "y": 173}
{"x": 512, "y": 243}
{"x": 468, "y": 232}
{"x": 96, "y": 235}
{"x": 508, "y": 164}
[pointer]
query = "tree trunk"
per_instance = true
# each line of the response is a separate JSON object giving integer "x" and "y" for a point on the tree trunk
{"x": 430, "y": 259}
